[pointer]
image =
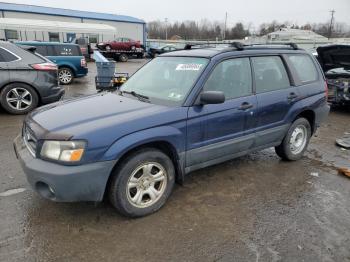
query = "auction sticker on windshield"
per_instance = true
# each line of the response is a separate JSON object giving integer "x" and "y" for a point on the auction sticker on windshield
{"x": 189, "y": 67}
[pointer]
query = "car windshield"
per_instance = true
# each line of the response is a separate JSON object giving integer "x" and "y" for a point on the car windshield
{"x": 166, "y": 80}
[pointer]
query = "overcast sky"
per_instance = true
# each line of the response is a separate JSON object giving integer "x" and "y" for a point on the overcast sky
{"x": 255, "y": 11}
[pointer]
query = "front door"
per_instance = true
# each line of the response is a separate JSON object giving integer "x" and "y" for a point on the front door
{"x": 219, "y": 132}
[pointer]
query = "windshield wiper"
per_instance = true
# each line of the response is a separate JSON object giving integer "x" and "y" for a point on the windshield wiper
{"x": 137, "y": 95}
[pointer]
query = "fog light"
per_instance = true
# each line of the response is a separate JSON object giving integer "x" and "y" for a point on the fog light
{"x": 45, "y": 190}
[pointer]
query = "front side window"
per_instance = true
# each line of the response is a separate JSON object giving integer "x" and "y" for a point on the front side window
{"x": 166, "y": 80}
{"x": 11, "y": 34}
{"x": 54, "y": 37}
{"x": 270, "y": 74}
{"x": 232, "y": 77}
{"x": 304, "y": 67}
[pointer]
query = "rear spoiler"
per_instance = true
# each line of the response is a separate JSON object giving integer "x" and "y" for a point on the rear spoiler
{"x": 28, "y": 48}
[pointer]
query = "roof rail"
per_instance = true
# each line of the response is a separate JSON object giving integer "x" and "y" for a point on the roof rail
{"x": 292, "y": 45}
{"x": 237, "y": 45}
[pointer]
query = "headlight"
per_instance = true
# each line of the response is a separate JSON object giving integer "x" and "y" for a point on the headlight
{"x": 66, "y": 151}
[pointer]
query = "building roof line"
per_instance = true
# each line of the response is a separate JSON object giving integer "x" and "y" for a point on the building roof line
{"x": 68, "y": 13}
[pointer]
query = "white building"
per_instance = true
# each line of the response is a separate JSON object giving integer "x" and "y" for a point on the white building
{"x": 27, "y": 22}
{"x": 295, "y": 35}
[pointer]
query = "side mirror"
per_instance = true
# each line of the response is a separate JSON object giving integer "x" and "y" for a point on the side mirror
{"x": 212, "y": 97}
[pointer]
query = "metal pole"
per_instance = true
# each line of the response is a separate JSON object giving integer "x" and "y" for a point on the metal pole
{"x": 331, "y": 24}
{"x": 166, "y": 28}
{"x": 225, "y": 26}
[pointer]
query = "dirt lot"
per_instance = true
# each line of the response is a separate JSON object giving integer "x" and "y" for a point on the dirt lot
{"x": 255, "y": 208}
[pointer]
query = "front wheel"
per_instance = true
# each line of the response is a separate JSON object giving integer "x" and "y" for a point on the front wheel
{"x": 296, "y": 141}
{"x": 65, "y": 75}
{"x": 143, "y": 183}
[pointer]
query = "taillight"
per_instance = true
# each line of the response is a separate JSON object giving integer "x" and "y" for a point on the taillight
{"x": 326, "y": 89}
{"x": 83, "y": 62}
{"x": 45, "y": 67}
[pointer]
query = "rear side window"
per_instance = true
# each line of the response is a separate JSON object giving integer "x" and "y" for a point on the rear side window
{"x": 6, "y": 56}
{"x": 67, "y": 50}
{"x": 232, "y": 77}
{"x": 270, "y": 74}
{"x": 41, "y": 50}
{"x": 304, "y": 67}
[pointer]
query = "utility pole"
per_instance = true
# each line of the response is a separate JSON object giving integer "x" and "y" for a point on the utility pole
{"x": 331, "y": 24}
{"x": 166, "y": 28}
{"x": 225, "y": 26}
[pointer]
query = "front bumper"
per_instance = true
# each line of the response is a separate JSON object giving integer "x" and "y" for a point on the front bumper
{"x": 64, "y": 183}
{"x": 56, "y": 94}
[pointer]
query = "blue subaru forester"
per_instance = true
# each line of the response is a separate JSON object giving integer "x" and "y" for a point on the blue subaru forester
{"x": 180, "y": 112}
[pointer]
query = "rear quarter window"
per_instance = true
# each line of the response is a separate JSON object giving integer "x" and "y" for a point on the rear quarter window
{"x": 304, "y": 67}
{"x": 67, "y": 50}
{"x": 6, "y": 56}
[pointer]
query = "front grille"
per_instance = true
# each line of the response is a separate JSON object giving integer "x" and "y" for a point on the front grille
{"x": 29, "y": 140}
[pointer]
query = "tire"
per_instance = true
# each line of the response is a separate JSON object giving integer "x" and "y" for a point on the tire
{"x": 123, "y": 58}
{"x": 18, "y": 98}
{"x": 65, "y": 75}
{"x": 300, "y": 133}
{"x": 131, "y": 184}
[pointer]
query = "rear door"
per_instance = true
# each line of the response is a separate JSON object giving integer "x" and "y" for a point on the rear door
{"x": 220, "y": 131}
{"x": 275, "y": 96}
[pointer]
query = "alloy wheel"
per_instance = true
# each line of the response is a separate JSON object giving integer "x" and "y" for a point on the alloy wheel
{"x": 19, "y": 98}
{"x": 65, "y": 76}
{"x": 146, "y": 184}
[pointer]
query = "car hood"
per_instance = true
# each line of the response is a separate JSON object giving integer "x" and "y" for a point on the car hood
{"x": 334, "y": 56}
{"x": 102, "y": 118}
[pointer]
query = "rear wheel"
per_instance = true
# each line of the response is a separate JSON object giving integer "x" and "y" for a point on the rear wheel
{"x": 296, "y": 141}
{"x": 65, "y": 75}
{"x": 18, "y": 98}
{"x": 123, "y": 58}
{"x": 143, "y": 183}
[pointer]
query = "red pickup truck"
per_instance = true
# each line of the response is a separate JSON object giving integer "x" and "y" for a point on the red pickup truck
{"x": 125, "y": 44}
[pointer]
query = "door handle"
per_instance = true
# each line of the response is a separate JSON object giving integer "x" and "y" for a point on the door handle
{"x": 292, "y": 96}
{"x": 245, "y": 106}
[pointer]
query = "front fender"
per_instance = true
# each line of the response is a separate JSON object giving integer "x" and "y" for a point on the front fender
{"x": 169, "y": 134}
